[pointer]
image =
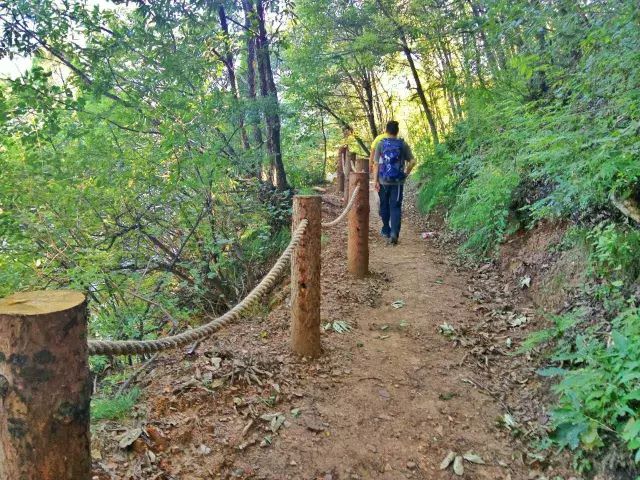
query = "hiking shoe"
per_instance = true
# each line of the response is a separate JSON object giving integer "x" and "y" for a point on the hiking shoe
{"x": 393, "y": 240}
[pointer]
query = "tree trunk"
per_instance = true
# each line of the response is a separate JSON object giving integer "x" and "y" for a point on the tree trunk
{"x": 231, "y": 73}
{"x": 45, "y": 387}
{"x": 477, "y": 15}
{"x": 360, "y": 85}
{"x": 324, "y": 145}
{"x": 431, "y": 120}
{"x": 344, "y": 124}
{"x": 254, "y": 116}
{"x": 268, "y": 90}
{"x": 370, "y": 110}
{"x": 423, "y": 99}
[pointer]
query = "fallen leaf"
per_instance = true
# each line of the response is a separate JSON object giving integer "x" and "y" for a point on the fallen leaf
{"x": 517, "y": 321}
{"x": 398, "y": 304}
{"x": 151, "y": 456}
{"x": 276, "y": 423}
{"x": 203, "y": 449}
{"x": 246, "y": 428}
{"x": 509, "y": 421}
{"x": 216, "y": 383}
{"x": 267, "y": 417}
{"x": 384, "y": 394}
{"x": 525, "y": 282}
{"x": 447, "y": 396}
{"x": 446, "y": 329}
{"x": 128, "y": 437}
{"x": 458, "y": 467}
{"x": 473, "y": 458}
{"x": 447, "y": 460}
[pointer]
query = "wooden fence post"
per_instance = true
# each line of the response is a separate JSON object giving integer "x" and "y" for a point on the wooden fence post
{"x": 362, "y": 165}
{"x": 350, "y": 157}
{"x": 305, "y": 278}
{"x": 358, "y": 227}
{"x": 45, "y": 388}
{"x": 342, "y": 152}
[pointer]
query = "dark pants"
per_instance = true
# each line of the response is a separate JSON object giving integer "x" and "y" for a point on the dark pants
{"x": 391, "y": 209}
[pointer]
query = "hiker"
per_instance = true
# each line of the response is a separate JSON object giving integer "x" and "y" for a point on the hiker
{"x": 392, "y": 163}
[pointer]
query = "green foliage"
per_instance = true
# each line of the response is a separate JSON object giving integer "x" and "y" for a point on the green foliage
{"x": 615, "y": 253}
{"x": 558, "y": 155}
{"x": 551, "y": 136}
{"x": 482, "y": 210}
{"x": 563, "y": 325}
{"x": 599, "y": 387}
{"x": 114, "y": 408}
{"x": 124, "y": 172}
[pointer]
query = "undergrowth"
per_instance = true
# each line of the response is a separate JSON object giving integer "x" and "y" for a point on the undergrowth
{"x": 114, "y": 408}
{"x": 522, "y": 156}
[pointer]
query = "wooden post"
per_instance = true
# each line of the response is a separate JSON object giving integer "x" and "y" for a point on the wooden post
{"x": 342, "y": 152}
{"x": 305, "y": 278}
{"x": 358, "y": 227}
{"x": 350, "y": 157}
{"x": 45, "y": 389}
{"x": 362, "y": 165}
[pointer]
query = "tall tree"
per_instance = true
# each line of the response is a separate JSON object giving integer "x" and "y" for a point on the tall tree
{"x": 269, "y": 92}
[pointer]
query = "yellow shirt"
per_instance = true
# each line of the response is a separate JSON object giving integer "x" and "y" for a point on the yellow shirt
{"x": 374, "y": 144}
{"x": 377, "y": 140}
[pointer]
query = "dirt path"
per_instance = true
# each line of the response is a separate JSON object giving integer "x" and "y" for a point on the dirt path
{"x": 387, "y": 401}
{"x": 401, "y": 397}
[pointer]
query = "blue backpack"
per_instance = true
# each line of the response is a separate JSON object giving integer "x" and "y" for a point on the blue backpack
{"x": 391, "y": 163}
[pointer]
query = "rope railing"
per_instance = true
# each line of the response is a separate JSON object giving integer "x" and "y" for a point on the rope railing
{"x": 48, "y": 329}
{"x": 130, "y": 347}
{"x": 346, "y": 210}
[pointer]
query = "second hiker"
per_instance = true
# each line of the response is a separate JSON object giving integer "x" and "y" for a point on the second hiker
{"x": 392, "y": 163}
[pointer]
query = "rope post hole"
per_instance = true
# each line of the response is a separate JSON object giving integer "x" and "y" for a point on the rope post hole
{"x": 350, "y": 158}
{"x": 342, "y": 152}
{"x": 45, "y": 388}
{"x": 358, "y": 227}
{"x": 305, "y": 278}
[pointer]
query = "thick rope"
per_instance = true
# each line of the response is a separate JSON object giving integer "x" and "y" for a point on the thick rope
{"x": 345, "y": 211}
{"x": 130, "y": 347}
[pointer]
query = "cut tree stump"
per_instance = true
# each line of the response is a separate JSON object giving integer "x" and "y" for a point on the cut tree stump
{"x": 45, "y": 389}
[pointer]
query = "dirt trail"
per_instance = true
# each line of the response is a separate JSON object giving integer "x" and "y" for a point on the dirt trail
{"x": 387, "y": 401}
{"x": 402, "y": 397}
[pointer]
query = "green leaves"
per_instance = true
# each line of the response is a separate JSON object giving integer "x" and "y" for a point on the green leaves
{"x": 599, "y": 389}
